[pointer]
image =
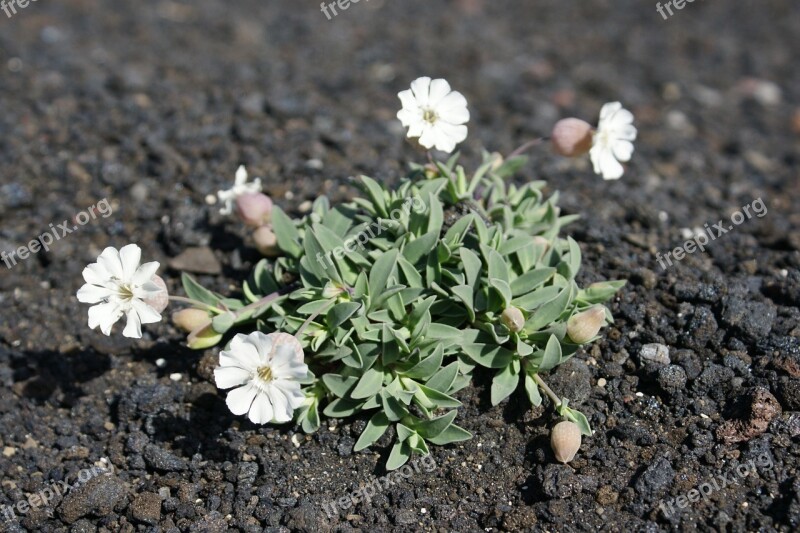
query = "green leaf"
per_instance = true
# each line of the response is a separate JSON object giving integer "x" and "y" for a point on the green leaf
{"x": 489, "y": 356}
{"x": 393, "y": 407}
{"x": 472, "y": 266}
{"x": 222, "y": 323}
{"x": 453, "y": 433}
{"x": 531, "y": 280}
{"x": 533, "y": 391}
{"x": 498, "y": 269}
{"x": 286, "y": 233}
{"x": 550, "y": 311}
{"x": 600, "y": 292}
{"x": 195, "y": 291}
{"x": 575, "y": 416}
{"x": 369, "y": 384}
{"x": 502, "y": 289}
{"x": 464, "y": 293}
{"x": 444, "y": 378}
{"x": 432, "y": 428}
{"x": 339, "y": 313}
{"x": 504, "y": 383}
{"x": 339, "y": 385}
{"x": 342, "y": 408}
{"x": 380, "y": 272}
{"x": 551, "y": 356}
{"x": 428, "y": 366}
{"x": 375, "y": 429}
{"x": 419, "y": 248}
{"x": 400, "y": 454}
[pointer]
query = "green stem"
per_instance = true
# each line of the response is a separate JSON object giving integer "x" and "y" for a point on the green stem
{"x": 547, "y": 390}
{"x": 196, "y": 303}
{"x": 527, "y": 146}
{"x": 312, "y": 317}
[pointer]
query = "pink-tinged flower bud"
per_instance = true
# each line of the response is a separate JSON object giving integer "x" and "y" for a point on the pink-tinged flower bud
{"x": 280, "y": 339}
{"x": 513, "y": 319}
{"x": 203, "y": 337}
{"x": 584, "y": 326}
{"x": 159, "y": 301}
{"x": 254, "y": 209}
{"x": 565, "y": 439}
{"x": 266, "y": 242}
{"x": 190, "y": 319}
{"x": 571, "y": 137}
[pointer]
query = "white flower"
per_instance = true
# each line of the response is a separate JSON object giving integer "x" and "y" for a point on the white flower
{"x": 612, "y": 141}
{"x": 119, "y": 286}
{"x": 264, "y": 369}
{"x": 434, "y": 113}
{"x": 240, "y": 187}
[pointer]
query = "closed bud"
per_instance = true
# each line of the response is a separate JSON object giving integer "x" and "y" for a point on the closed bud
{"x": 584, "y": 326}
{"x": 565, "y": 439}
{"x": 571, "y": 137}
{"x": 266, "y": 242}
{"x": 190, "y": 319}
{"x": 513, "y": 319}
{"x": 254, "y": 209}
{"x": 203, "y": 337}
{"x": 159, "y": 301}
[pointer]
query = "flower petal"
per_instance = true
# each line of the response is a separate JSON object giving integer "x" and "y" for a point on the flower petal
{"x": 243, "y": 353}
{"x": 133, "y": 328}
{"x": 144, "y": 273}
{"x": 438, "y": 90}
{"x": 261, "y": 410}
{"x": 421, "y": 88}
{"x": 240, "y": 399}
{"x": 623, "y": 150}
{"x": 282, "y": 412}
{"x": 96, "y": 274}
{"x": 92, "y": 294}
{"x": 110, "y": 261}
{"x": 407, "y": 100}
{"x": 263, "y": 344}
{"x": 608, "y": 110}
{"x": 231, "y": 376}
{"x": 130, "y": 256}
{"x": 147, "y": 314}
{"x": 104, "y": 315}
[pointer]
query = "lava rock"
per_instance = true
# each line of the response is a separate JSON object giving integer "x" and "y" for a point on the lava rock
{"x": 672, "y": 379}
{"x": 657, "y": 354}
{"x": 655, "y": 478}
{"x": 751, "y": 318}
{"x": 163, "y": 460}
{"x": 99, "y": 496}
{"x": 759, "y": 408}
{"x": 146, "y": 508}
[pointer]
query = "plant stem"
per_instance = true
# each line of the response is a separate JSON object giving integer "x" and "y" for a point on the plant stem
{"x": 314, "y": 315}
{"x": 525, "y": 147}
{"x": 547, "y": 390}
{"x": 196, "y": 303}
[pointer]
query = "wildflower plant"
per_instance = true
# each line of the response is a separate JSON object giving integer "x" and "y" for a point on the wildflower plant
{"x": 391, "y": 301}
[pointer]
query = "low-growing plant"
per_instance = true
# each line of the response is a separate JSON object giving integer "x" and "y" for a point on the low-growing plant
{"x": 391, "y": 300}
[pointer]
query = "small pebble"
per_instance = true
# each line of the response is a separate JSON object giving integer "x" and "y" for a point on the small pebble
{"x": 211, "y": 199}
{"x": 161, "y": 362}
{"x": 176, "y": 377}
{"x": 296, "y": 440}
{"x": 9, "y": 451}
{"x": 601, "y": 382}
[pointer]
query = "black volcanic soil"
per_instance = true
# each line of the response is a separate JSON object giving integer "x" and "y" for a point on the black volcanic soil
{"x": 153, "y": 105}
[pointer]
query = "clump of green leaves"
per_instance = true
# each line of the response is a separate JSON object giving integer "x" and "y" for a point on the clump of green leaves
{"x": 401, "y": 293}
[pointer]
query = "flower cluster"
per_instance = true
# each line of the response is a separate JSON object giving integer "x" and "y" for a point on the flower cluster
{"x": 478, "y": 276}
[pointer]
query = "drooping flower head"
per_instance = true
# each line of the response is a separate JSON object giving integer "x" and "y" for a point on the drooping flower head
{"x": 434, "y": 113}
{"x": 613, "y": 141}
{"x": 265, "y": 370}
{"x": 118, "y": 285}
{"x": 240, "y": 187}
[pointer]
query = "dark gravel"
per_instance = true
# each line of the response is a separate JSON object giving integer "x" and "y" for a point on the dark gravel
{"x": 153, "y": 106}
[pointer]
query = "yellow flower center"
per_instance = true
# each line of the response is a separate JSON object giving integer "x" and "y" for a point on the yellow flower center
{"x": 265, "y": 373}
{"x": 430, "y": 116}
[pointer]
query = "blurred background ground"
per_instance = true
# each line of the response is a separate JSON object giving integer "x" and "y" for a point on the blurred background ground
{"x": 154, "y": 104}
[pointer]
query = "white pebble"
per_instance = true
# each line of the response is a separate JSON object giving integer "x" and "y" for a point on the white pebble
{"x": 176, "y": 377}
{"x": 161, "y": 362}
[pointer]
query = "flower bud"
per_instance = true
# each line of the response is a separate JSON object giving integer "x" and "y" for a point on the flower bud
{"x": 254, "y": 209}
{"x": 203, "y": 337}
{"x": 571, "y": 137}
{"x": 513, "y": 319}
{"x": 565, "y": 439}
{"x": 190, "y": 319}
{"x": 158, "y": 301}
{"x": 284, "y": 339}
{"x": 266, "y": 242}
{"x": 584, "y": 326}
